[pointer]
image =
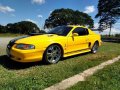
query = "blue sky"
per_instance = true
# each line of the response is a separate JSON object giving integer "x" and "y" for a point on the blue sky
{"x": 38, "y": 10}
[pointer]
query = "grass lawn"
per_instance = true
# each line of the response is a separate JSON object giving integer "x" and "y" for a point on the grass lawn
{"x": 9, "y": 35}
{"x": 18, "y": 76}
{"x": 106, "y": 79}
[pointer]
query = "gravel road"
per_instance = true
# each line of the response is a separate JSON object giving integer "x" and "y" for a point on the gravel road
{"x": 3, "y": 43}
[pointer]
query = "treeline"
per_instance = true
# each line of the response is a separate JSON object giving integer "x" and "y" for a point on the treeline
{"x": 57, "y": 18}
{"x": 117, "y": 35}
{"x": 112, "y": 36}
{"x": 23, "y": 27}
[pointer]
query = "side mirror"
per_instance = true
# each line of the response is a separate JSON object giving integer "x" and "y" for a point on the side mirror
{"x": 75, "y": 34}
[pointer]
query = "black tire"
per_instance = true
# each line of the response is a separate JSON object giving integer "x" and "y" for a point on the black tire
{"x": 52, "y": 54}
{"x": 95, "y": 47}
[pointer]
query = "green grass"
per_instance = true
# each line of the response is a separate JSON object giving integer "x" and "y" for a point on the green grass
{"x": 38, "y": 76}
{"x": 106, "y": 79}
{"x": 9, "y": 35}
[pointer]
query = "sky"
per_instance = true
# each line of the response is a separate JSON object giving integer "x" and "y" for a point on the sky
{"x": 38, "y": 11}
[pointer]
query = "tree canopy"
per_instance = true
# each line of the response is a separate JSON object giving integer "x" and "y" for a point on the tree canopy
{"x": 23, "y": 27}
{"x": 2, "y": 29}
{"x": 67, "y": 17}
{"x": 109, "y": 13}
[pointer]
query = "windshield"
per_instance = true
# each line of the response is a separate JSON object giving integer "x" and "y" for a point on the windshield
{"x": 60, "y": 30}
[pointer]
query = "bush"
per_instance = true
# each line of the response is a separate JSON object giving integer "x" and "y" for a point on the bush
{"x": 117, "y": 35}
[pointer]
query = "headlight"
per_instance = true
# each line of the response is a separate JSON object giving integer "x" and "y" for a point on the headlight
{"x": 25, "y": 46}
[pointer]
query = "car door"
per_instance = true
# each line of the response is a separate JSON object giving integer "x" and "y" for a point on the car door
{"x": 79, "y": 41}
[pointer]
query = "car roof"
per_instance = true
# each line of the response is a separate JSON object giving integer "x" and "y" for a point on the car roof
{"x": 76, "y": 26}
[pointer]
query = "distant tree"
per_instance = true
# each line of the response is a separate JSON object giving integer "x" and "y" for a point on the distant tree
{"x": 42, "y": 31}
{"x": 13, "y": 28}
{"x": 23, "y": 27}
{"x": 66, "y": 17}
{"x": 2, "y": 29}
{"x": 28, "y": 27}
{"x": 117, "y": 35}
{"x": 109, "y": 13}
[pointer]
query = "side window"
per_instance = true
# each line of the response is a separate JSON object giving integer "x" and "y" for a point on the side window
{"x": 81, "y": 31}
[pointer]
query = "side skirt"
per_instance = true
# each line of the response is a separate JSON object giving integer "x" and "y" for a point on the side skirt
{"x": 76, "y": 52}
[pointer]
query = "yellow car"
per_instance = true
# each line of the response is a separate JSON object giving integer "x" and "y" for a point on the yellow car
{"x": 62, "y": 41}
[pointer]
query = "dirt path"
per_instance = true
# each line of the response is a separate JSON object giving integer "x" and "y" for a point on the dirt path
{"x": 81, "y": 76}
{"x": 3, "y": 43}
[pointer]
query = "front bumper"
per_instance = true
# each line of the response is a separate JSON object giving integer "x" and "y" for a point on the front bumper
{"x": 25, "y": 55}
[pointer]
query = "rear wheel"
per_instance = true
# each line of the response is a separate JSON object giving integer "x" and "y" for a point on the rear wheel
{"x": 95, "y": 48}
{"x": 52, "y": 54}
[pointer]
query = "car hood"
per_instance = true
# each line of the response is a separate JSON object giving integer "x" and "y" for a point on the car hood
{"x": 38, "y": 38}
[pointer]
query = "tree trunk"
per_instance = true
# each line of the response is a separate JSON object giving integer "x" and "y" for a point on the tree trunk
{"x": 110, "y": 30}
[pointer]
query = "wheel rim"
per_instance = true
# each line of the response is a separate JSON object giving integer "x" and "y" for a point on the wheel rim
{"x": 53, "y": 54}
{"x": 95, "y": 48}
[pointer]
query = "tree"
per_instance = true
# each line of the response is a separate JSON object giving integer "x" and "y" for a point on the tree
{"x": 23, "y": 27}
{"x": 2, "y": 29}
{"x": 66, "y": 17}
{"x": 109, "y": 13}
{"x": 28, "y": 27}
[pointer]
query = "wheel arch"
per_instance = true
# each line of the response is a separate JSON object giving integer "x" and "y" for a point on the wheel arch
{"x": 97, "y": 42}
{"x": 58, "y": 45}
{"x": 94, "y": 49}
{"x": 90, "y": 44}
{"x": 43, "y": 59}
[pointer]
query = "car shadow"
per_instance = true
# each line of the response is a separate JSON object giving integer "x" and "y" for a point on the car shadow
{"x": 10, "y": 64}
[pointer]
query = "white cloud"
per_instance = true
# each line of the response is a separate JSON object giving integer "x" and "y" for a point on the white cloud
{"x": 38, "y": 1}
{"x": 51, "y": 11}
{"x": 40, "y": 16}
{"x": 96, "y": 25}
{"x": 89, "y": 9}
{"x": 6, "y": 9}
{"x": 118, "y": 23}
{"x": 106, "y": 32}
{"x": 114, "y": 30}
{"x": 31, "y": 21}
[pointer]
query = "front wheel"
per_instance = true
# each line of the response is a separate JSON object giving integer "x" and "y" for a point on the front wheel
{"x": 95, "y": 48}
{"x": 52, "y": 54}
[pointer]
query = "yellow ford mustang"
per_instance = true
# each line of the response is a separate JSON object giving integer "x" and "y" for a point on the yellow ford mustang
{"x": 62, "y": 41}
